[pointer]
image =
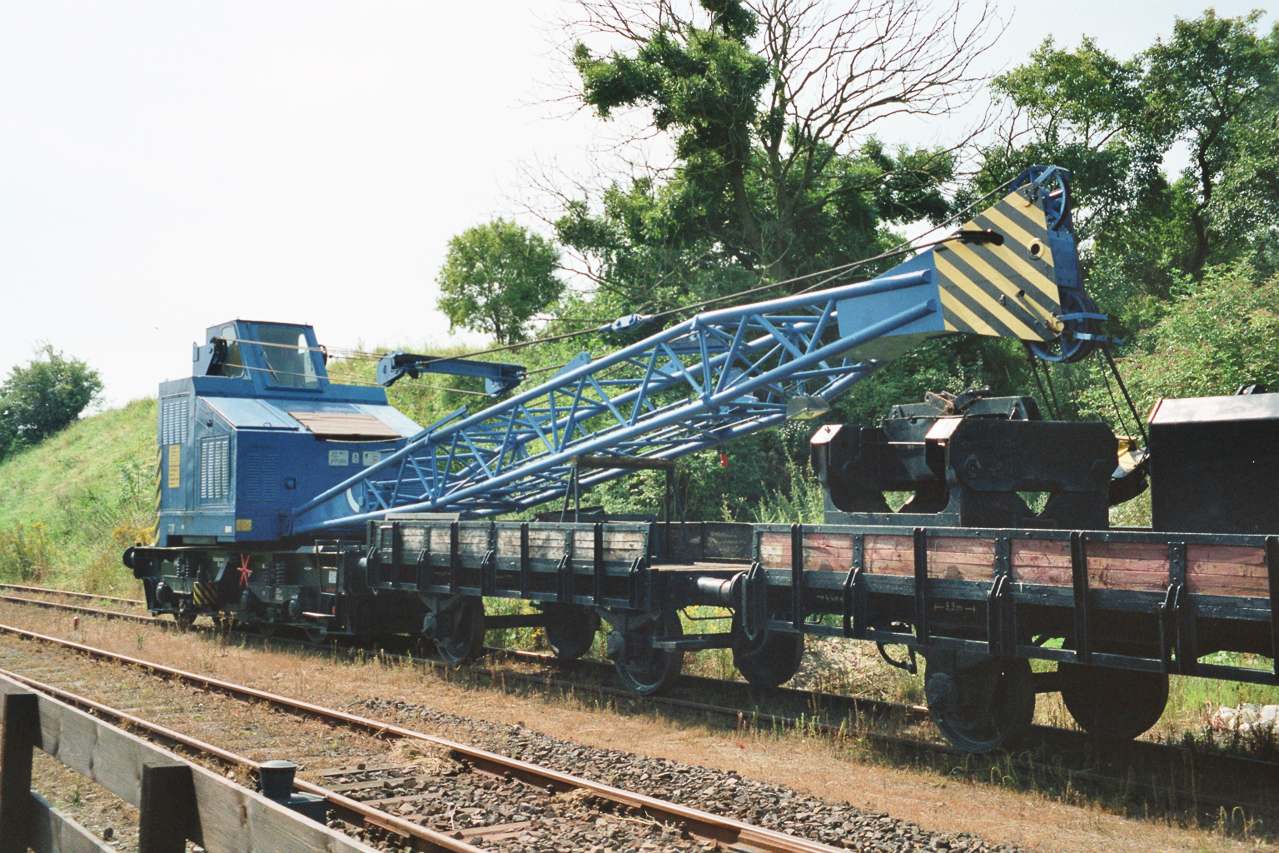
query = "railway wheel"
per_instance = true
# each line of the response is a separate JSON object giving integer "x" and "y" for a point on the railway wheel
{"x": 570, "y": 629}
{"x": 184, "y": 618}
{"x": 459, "y": 633}
{"x": 647, "y": 670}
{"x": 315, "y": 634}
{"x": 767, "y": 659}
{"x": 982, "y": 705}
{"x": 1118, "y": 704}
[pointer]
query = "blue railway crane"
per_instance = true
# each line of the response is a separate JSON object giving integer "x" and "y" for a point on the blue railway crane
{"x": 289, "y": 501}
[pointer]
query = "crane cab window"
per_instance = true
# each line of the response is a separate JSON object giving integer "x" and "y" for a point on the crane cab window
{"x": 233, "y": 367}
{"x": 290, "y": 361}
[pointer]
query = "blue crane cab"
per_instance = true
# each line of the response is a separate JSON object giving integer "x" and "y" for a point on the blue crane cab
{"x": 256, "y": 430}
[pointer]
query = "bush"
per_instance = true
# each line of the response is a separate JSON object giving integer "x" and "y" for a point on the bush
{"x": 1219, "y": 335}
{"x": 43, "y": 397}
{"x": 26, "y": 553}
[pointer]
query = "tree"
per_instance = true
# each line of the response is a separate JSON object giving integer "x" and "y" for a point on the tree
{"x": 768, "y": 104}
{"x": 1204, "y": 87}
{"x": 1080, "y": 109}
{"x": 43, "y": 397}
{"x": 496, "y": 277}
{"x": 767, "y": 109}
{"x": 1214, "y": 87}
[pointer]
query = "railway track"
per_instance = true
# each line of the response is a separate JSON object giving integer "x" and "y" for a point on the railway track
{"x": 89, "y": 596}
{"x": 1186, "y": 780}
{"x": 514, "y": 801}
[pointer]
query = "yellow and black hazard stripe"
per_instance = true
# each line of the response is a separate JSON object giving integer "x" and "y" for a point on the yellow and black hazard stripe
{"x": 1007, "y": 290}
{"x": 152, "y": 533}
{"x": 204, "y": 594}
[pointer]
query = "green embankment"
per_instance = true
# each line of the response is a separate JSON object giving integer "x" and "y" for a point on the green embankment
{"x": 70, "y": 505}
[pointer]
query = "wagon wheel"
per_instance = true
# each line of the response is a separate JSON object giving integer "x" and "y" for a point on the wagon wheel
{"x": 647, "y": 670}
{"x": 460, "y": 635}
{"x": 769, "y": 658}
{"x": 982, "y": 706}
{"x": 1118, "y": 704}
{"x": 570, "y": 629}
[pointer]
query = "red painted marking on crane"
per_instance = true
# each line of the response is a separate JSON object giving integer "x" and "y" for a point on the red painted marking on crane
{"x": 244, "y": 570}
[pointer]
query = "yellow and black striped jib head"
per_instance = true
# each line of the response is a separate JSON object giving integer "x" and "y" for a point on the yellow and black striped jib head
{"x": 1003, "y": 288}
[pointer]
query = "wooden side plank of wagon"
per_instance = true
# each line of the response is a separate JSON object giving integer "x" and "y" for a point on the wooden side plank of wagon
{"x": 1139, "y": 566}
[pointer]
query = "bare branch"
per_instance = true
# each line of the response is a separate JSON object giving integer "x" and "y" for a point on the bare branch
{"x": 842, "y": 69}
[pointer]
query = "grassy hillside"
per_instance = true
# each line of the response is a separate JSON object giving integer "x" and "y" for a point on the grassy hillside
{"x": 70, "y": 505}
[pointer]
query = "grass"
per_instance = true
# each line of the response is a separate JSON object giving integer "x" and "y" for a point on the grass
{"x": 72, "y": 504}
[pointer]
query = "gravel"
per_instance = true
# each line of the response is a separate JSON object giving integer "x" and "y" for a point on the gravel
{"x": 727, "y": 794}
{"x": 506, "y": 814}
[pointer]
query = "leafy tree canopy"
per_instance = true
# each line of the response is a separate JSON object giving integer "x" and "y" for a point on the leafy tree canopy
{"x": 43, "y": 397}
{"x": 1211, "y": 91}
{"x": 496, "y": 277}
{"x": 769, "y": 107}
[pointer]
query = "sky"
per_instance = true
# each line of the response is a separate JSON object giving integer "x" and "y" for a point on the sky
{"x": 165, "y": 166}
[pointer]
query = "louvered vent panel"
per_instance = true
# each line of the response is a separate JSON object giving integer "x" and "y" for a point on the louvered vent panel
{"x": 260, "y": 476}
{"x": 215, "y": 468}
{"x": 173, "y": 420}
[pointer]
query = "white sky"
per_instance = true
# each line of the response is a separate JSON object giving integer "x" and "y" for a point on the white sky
{"x": 165, "y": 166}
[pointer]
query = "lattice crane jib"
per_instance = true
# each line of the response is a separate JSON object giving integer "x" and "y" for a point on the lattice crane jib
{"x": 1011, "y": 271}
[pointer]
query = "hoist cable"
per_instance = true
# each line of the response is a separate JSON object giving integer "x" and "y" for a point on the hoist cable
{"x": 830, "y": 274}
{"x": 1132, "y": 407}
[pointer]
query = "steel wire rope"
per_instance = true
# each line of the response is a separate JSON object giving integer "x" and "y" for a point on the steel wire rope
{"x": 1120, "y": 417}
{"x": 363, "y": 382}
{"x": 831, "y": 274}
{"x": 1050, "y": 394}
{"x": 1034, "y": 372}
{"x": 1069, "y": 372}
{"x": 1119, "y": 379}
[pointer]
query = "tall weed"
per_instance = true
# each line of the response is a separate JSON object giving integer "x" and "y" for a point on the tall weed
{"x": 799, "y": 499}
{"x": 26, "y": 553}
{"x": 90, "y": 491}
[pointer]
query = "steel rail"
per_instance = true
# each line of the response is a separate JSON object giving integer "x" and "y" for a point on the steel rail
{"x": 136, "y": 602}
{"x": 1148, "y": 752}
{"x": 354, "y": 812}
{"x": 695, "y": 821}
{"x": 90, "y": 611}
